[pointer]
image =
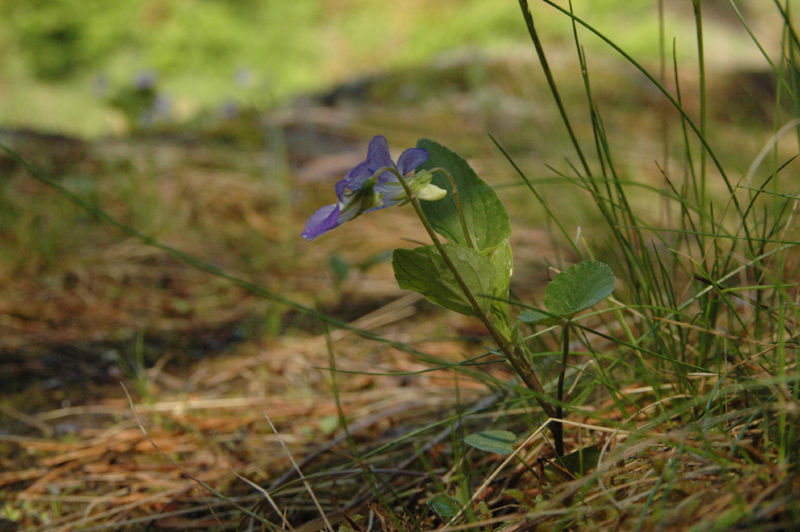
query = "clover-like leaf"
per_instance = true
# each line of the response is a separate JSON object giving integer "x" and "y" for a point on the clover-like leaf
{"x": 425, "y": 271}
{"x": 486, "y": 216}
{"x": 492, "y": 441}
{"x": 578, "y": 288}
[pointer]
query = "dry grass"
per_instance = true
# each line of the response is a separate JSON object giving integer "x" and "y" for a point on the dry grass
{"x": 213, "y": 427}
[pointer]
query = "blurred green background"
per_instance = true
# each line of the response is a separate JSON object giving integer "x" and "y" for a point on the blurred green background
{"x": 91, "y": 67}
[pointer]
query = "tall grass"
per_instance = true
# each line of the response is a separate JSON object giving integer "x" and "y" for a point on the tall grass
{"x": 706, "y": 318}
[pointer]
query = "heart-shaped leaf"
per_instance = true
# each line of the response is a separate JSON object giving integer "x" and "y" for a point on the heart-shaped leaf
{"x": 492, "y": 441}
{"x": 424, "y": 270}
{"x": 578, "y": 288}
{"x": 485, "y": 215}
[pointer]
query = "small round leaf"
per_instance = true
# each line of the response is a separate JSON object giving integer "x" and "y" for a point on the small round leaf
{"x": 493, "y": 441}
{"x": 445, "y": 506}
{"x": 578, "y": 288}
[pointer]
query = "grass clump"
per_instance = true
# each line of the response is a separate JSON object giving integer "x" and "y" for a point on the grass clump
{"x": 685, "y": 388}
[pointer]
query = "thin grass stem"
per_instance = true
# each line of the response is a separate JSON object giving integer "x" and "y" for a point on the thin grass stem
{"x": 701, "y": 67}
{"x": 551, "y": 82}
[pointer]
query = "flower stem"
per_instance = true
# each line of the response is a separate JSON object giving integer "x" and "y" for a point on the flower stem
{"x": 558, "y": 434}
{"x": 514, "y": 354}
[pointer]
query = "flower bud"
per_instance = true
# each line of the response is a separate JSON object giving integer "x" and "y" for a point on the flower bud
{"x": 431, "y": 193}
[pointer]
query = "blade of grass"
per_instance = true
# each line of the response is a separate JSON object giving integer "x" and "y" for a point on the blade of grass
{"x": 528, "y": 16}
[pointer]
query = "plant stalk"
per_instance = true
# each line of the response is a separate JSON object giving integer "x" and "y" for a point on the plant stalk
{"x": 560, "y": 393}
{"x": 514, "y": 354}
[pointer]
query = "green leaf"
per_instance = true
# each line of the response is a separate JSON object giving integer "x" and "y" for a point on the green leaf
{"x": 339, "y": 266}
{"x": 492, "y": 441}
{"x": 580, "y": 461}
{"x": 425, "y": 271}
{"x": 578, "y": 288}
{"x": 444, "y": 505}
{"x": 537, "y": 316}
{"x": 503, "y": 264}
{"x": 485, "y": 215}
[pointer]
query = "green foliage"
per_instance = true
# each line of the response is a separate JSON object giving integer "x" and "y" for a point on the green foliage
{"x": 444, "y": 505}
{"x": 578, "y": 288}
{"x": 503, "y": 265}
{"x": 483, "y": 211}
{"x": 582, "y": 460}
{"x": 51, "y": 50}
{"x": 59, "y": 38}
{"x": 477, "y": 224}
{"x": 424, "y": 270}
{"x": 477, "y": 24}
{"x": 259, "y": 35}
{"x": 492, "y": 441}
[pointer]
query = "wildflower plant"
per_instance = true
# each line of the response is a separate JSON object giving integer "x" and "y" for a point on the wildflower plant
{"x": 470, "y": 272}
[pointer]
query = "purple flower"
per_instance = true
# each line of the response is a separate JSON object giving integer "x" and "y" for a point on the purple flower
{"x": 146, "y": 79}
{"x": 374, "y": 185}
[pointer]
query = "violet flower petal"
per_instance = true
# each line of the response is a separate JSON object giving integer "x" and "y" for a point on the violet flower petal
{"x": 357, "y": 195}
{"x": 411, "y": 159}
{"x": 322, "y": 221}
{"x": 354, "y": 178}
{"x": 378, "y": 155}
